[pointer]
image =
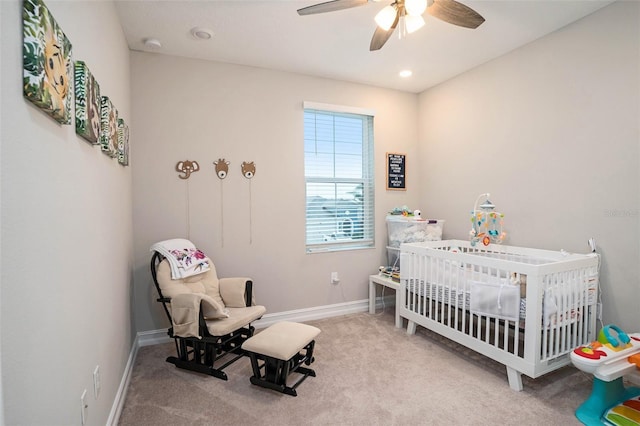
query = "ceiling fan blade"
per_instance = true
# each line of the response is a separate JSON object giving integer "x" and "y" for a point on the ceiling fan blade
{"x": 331, "y": 6}
{"x": 381, "y": 36}
{"x": 455, "y": 13}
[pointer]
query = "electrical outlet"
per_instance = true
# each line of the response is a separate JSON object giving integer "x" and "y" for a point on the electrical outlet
{"x": 96, "y": 381}
{"x": 83, "y": 407}
{"x": 599, "y": 311}
{"x": 334, "y": 278}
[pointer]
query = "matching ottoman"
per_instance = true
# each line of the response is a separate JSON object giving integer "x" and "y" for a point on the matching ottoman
{"x": 280, "y": 350}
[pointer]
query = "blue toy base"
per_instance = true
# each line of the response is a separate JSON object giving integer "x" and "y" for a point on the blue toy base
{"x": 604, "y": 396}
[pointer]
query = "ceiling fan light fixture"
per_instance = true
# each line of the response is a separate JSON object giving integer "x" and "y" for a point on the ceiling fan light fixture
{"x": 413, "y": 23}
{"x": 405, "y": 15}
{"x": 415, "y": 7}
{"x": 385, "y": 17}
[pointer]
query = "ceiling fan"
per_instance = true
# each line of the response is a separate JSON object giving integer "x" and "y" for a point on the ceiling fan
{"x": 410, "y": 11}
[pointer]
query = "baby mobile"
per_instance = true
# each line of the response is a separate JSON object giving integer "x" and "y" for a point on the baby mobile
{"x": 187, "y": 167}
{"x": 249, "y": 171}
{"x": 486, "y": 224}
{"x": 222, "y": 170}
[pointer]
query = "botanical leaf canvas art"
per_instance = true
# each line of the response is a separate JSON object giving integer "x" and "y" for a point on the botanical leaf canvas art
{"x": 87, "y": 93}
{"x": 47, "y": 63}
{"x": 108, "y": 127}
{"x": 123, "y": 142}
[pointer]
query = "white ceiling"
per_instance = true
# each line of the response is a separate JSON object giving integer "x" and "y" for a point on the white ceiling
{"x": 270, "y": 34}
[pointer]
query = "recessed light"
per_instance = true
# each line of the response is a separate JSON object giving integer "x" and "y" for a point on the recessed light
{"x": 152, "y": 43}
{"x": 406, "y": 73}
{"x": 201, "y": 33}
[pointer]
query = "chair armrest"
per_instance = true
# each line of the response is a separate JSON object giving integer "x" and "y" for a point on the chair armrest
{"x": 236, "y": 292}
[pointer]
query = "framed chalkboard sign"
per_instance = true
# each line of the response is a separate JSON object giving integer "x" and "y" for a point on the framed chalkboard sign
{"x": 396, "y": 171}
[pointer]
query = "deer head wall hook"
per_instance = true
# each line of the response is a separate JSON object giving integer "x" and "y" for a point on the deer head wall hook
{"x": 187, "y": 167}
{"x": 222, "y": 168}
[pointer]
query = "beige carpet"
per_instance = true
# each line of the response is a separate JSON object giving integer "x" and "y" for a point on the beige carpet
{"x": 368, "y": 373}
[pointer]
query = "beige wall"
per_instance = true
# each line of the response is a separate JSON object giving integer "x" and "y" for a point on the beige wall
{"x": 551, "y": 130}
{"x": 197, "y": 110}
{"x": 66, "y": 234}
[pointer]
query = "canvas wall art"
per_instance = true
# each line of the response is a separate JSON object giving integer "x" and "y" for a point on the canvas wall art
{"x": 47, "y": 64}
{"x": 123, "y": 142}
{"x": 108, "y": 127}
{"x": 87, "y": 91}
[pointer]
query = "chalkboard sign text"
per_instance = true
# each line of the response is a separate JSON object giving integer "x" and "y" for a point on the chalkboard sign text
{"x": 396, "y": 171}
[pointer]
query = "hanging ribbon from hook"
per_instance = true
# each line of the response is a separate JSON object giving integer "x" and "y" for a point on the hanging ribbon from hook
{"x": 249, "y": 171}
{"x": 222, "y": 171}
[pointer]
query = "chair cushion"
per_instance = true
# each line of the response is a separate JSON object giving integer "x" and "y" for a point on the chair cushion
{"x": 238, "y": 317}
{"x": 212, "y": 309}
{"x": 185, "y": 310}
{"x": 232, "y": 291}
{"x": 206, "y": 283}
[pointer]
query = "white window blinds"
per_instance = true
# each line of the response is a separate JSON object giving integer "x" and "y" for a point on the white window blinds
{"x": 338, "y": 154}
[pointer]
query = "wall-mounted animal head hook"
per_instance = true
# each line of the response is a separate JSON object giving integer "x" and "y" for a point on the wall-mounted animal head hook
{"x": 222, "y": 168}
{"x": 248, "y": 169}
{"x": 187, "y": 167}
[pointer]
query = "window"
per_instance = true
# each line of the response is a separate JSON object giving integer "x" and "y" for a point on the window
{"x": 338, "y": 169}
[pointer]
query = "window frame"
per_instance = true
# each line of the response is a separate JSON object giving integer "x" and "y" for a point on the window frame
{"x": 367, "y": 179}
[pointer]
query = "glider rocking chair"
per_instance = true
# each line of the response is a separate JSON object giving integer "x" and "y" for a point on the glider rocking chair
{"x": 210, "y": 317}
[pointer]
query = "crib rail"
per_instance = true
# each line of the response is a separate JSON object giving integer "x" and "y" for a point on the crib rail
{"x": 525, "y": 308}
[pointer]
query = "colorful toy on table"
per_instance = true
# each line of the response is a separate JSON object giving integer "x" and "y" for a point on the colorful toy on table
{"x": 403, "y": 211}
{"x": 613, "y": 355}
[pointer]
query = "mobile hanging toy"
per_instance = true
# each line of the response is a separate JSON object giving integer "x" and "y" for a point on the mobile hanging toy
{"x": 486, "y": 224}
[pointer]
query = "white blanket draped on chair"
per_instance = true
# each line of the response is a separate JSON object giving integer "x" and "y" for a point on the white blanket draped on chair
{"x": 184, "y": 258}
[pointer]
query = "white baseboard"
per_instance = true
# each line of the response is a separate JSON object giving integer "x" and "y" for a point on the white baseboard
{"x": 152, "y": 337}
{"x": 310, "y": 314}
{"x": 116, "y": 408}
{"x": 155, "y": 337}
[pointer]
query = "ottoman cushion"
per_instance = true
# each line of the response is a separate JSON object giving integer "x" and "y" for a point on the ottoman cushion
{"x": 281, "y": 340}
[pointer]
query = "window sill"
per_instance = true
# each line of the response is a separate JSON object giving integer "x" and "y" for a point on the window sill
{"x": 316, "y": 250}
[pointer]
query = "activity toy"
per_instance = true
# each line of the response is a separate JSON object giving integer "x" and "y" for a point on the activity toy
{"x": 609, "y": 358}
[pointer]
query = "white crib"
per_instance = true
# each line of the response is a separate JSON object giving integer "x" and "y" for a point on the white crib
{"x": 525, "y": 308}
